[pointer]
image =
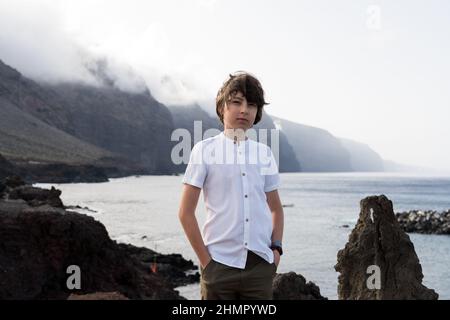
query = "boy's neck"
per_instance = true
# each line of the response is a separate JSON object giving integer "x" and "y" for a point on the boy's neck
{"x": 235, "y": 134}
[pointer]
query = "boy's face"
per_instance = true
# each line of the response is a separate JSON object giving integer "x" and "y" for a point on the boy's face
{"x": 238, "y": 113}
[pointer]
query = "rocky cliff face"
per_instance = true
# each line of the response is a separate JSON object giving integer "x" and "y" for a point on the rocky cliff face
{"x": 30, "y": 97}
{"x": 133, "y": 125}
{"x": 288, "y": 161}
{"x": 320, "y": 151}
{"x": 377, "y": 241}
{"x": 29, "y": 127}
{"x": 104, "y": 126}
{"x": 81, "y": 124}
{"x": 316, "y": 149}
{"x": 362, "y": 157}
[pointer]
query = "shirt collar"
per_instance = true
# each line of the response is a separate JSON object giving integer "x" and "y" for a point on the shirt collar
{"x": 228, "y": 140}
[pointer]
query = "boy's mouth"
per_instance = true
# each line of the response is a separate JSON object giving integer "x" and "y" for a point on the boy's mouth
{"x": 242, "y": 119}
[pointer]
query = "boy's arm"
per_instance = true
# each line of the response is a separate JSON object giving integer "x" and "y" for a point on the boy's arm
{"x": 189, "y": 222}
{"x": 274, "y": 202}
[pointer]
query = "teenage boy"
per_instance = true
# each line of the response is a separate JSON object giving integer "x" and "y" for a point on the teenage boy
{"x": 240, "y": 245}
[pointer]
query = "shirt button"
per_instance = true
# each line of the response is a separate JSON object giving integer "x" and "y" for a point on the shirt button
{"x": 245, "y": 244}
{"x": 246, "y": 220}
{"x": 246, "y": 196}
{"x": 243, "y": 174}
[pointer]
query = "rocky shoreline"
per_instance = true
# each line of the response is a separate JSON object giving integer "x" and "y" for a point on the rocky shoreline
{"x": 40, "y": 172}
{"x": 425, "y": 222}
{"x": 41, "y": 238}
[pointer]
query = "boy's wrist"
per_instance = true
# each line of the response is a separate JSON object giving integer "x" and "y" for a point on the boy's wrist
{"x": 205, "y": 259}
{"x": 277, "y": 246}
{"x": 205, "y": 263}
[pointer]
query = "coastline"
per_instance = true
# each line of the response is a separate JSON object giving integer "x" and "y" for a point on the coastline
{"x": 134, "y": 190}
{"x": 54, "y": 240}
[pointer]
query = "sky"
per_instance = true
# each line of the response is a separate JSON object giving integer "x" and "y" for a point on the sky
{"x": 373, "y": 71}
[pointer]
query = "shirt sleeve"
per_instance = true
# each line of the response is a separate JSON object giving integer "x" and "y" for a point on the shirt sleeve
{"x": 196, "y": 170}
{"x": 271, "y": 175}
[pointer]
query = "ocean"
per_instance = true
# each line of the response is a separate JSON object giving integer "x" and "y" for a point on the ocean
{"x": 143, "y": 211}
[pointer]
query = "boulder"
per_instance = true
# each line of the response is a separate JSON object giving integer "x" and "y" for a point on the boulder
{"x": 172, "y": 267}
{"x": 292, "y": 286}
{"x": 378, "y": 241}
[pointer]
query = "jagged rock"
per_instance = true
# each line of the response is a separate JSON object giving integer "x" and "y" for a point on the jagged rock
{"x": 378, "y": 239}
{"x": 37, "y": 197}
{"x": 427, "y": 222}
{"x": 38, "y": 244}
{"x": 77, "y": 207}
{"x": 38, "y": 247}
{"x": 14, "y": 181}
{"x": 172, "y": 267}
{"x": 98, "y": 296}
{"x": 292, "y": 286}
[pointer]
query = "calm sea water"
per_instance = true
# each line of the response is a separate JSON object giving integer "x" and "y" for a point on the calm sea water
{"x": 143, "y": 211}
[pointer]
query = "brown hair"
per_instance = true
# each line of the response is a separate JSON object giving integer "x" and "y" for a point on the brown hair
{"x": 248, "y": 85}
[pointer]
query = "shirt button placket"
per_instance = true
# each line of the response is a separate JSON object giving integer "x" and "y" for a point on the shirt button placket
{"x": 245, "y": 189}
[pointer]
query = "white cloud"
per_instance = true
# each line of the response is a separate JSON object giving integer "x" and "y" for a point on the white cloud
{"x": 56, "y": 41}
{"x": 32, "y": 40}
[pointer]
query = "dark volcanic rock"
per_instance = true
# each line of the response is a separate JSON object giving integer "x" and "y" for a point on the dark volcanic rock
{"x": 8, "y": 183}
{"x": 38, "y": 244}
{"x": 36, "y": 197}
{"x": 6, "y": 168}
{"x": 14, "y": 188}
{"x": 133, "y": 125}
{"x": 292, "y": 286}
{"x": 172, "y": 267}
{"x": 13, "y": 182}
{"x": 427, "y": 222}
{"x": 38, "y": 247}
{"x": 64, "y": 173}
{"x": 378, "y": 239}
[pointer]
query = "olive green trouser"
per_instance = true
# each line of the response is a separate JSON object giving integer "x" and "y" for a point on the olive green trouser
{"x": 222, "y": 282}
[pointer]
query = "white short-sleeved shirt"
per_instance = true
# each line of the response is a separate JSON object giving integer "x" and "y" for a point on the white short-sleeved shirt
{"x": 234, "y": 178}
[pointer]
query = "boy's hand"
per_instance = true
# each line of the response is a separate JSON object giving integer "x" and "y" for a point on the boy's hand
{"x": 276, "y": 257}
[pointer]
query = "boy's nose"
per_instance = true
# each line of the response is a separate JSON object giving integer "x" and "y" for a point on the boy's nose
{"x": 244, "y": 107}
